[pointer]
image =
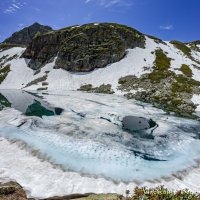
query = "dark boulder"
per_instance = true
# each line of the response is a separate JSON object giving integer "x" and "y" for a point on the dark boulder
{"x": 12, "y": 191}
{"x": 133, "y": 123}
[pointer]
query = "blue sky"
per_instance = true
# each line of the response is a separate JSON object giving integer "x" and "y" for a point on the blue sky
{"x": 167, "y": 19}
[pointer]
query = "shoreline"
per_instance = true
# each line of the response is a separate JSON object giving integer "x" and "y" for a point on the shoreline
{"x": 97, "y": 186}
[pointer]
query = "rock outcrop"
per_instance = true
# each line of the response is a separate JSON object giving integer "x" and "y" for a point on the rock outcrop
{"x": 104, "y": 89}
{"x": 26, "y": 35}
{"x": 12, "y": 191}
{"x": 83, "y": 48}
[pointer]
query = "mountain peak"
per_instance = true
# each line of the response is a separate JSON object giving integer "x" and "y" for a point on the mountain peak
{"x": 25, "y": 36}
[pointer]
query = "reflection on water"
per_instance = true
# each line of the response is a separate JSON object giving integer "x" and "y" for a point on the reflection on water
{"x": 27, "y": 103}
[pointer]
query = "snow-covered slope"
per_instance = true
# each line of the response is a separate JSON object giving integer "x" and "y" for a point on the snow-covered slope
{"x": 138, "y": 61}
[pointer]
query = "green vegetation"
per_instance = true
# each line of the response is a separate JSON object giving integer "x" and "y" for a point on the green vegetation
{"x": 4, "y": 72}
{"x": 179, "y": 87}
{"x": 161, "y": 66}
{"x": 86, "y": 88}
{"x": 183, "y": 84}
{"x": 162, "y": 62}
{"x": 103, "y": 26}
{"x": 186, "y": 50}
{"x": 37, "y": 35}
{"x": 5, "y": 46}
{"x": 127, "y": 79}
{"x": 182, "y": 47}
{"x": 84, "y": 48}
{"x": 159, "y": 193}
{"x": 164, "y": 88}
{"x": 185, "y": 69}
{"x": 185, "y": 80}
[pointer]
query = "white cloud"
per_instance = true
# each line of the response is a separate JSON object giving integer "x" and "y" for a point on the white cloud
{"x": 14, "y": 6}
{"x": 88, "y": 1}
{"x": 167, "y": 27}
{"x": 110, "y": 3}
{"x": 21, "y": 25}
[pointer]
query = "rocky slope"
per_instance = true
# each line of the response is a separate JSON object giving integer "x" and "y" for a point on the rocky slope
{"x": 108, "y": 58}
{"x": 83, "y": 48}
{"x": 26, "y": 35}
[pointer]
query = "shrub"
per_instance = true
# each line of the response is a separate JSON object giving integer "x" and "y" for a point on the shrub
{"x": 161, "y": 193}
{"x": 161, "y": 66}
{"x": 179, "y": 88}
{"x": 162, "y": 62}
{"x": 185, "y": 69}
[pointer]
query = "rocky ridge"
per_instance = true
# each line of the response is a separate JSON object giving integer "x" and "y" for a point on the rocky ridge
{"x": 83, "y": 48}
{"x": 26, "y": 35}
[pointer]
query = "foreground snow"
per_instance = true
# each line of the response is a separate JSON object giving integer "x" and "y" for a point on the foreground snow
{"x": 99, "y": 152}
{"x": 40, "y": 179}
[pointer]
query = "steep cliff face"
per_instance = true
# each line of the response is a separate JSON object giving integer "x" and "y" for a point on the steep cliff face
{"x": 83, "y": 48}
{"x": 26, "y": 35}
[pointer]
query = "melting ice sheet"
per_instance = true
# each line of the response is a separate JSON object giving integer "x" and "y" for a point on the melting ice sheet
{"x": 88, "y": 138}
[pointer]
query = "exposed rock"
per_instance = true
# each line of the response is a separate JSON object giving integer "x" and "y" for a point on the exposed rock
{"x": 83, "y": 48}
{"x": 12, "y": 191}
{"x": 104, "y": 89}
{"x": 133, "y": 123}
{"x": 26, "y": 35}
{"x": 36, "y": 81}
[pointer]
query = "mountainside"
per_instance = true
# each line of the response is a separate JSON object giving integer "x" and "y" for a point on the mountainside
{"x": 108, "y": 58}
{"x": 83, "y": 48}
{"x": 26, "y": 35}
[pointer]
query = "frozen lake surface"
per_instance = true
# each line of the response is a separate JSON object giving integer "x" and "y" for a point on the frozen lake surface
{"x": 87, "y": 138}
